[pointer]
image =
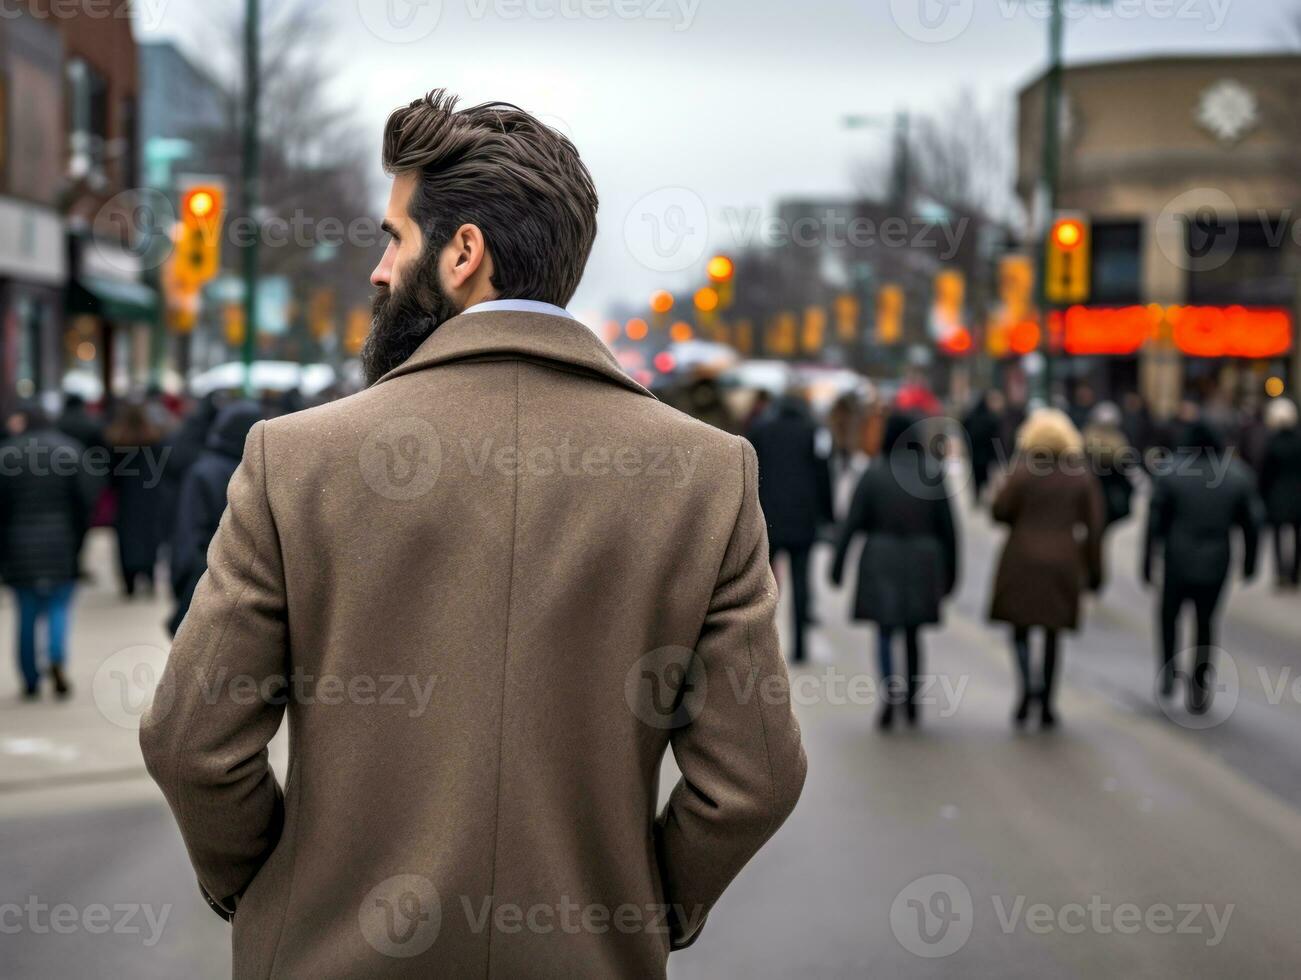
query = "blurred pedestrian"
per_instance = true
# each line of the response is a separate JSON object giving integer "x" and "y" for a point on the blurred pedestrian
{"x": 1280, "y": 486}
{"x": 1112, "y": 460}
{"x": 1195, "y": 506}
{"x": 795, "y": 493}
{"x": 183, "y": 447}
{"x": 909, "y": 561}
{"x": 45, "y": 501}
{"x": 1083, "y": 400}
{"x": 1048, "y": 499}
{"x": 759, "y": 409}
{"x": 76, "y": 422}
{"x": 137, "y": 479}
{"x": 845, "y": 424}
{"x": 1136, "y": 421}
{"x": 983, "y": 426}
{"x": 203, "y": 501}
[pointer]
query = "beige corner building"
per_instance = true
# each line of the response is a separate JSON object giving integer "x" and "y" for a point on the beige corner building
{"x": 1188, "y": 170}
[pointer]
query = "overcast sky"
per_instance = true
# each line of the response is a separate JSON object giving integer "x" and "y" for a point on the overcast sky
{"x": 696, "y": 115}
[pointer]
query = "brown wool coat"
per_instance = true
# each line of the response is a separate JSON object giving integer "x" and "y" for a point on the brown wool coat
{"x": 1054, "y": 550}
{"x": 478, "y": 585}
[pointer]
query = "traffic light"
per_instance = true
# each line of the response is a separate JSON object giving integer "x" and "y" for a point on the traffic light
{"x": 815, "y": 328}
{"x": 889, "y": 315}
{"x": 721, "y": 271}
{"x": 1068, "y": 261}
{"x": 1014, "y": 326}
{"x": 198, "y": 245}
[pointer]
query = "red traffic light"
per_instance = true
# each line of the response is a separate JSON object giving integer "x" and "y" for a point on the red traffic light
{"x": 1068, "y": 234}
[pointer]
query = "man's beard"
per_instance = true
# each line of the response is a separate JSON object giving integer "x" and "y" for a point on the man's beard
{"x": 402, "y": 319}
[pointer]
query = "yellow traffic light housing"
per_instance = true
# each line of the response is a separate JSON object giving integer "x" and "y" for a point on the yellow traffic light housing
{"x": 198, "y": 245}
{"x": 1069, "y": 261}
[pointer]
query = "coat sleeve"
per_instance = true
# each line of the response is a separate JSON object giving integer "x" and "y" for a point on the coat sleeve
{"x": 1158, "y": 525}
{"x": 947, "y": 531}
{"x": 740, "y": 754}
{"x": 1094, "y": 519}
{"x": 221, "y": 698}
{"x": 856, "y": 520}
{"x": 1008, "y": 502}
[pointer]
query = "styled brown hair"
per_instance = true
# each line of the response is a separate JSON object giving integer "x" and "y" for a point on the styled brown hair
{"x": 497, "y": 167}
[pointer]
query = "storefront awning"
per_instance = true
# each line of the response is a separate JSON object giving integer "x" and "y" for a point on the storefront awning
{"x": 113, "y": 299}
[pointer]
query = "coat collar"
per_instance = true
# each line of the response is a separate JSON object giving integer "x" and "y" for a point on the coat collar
{"x": 562, "y": 341}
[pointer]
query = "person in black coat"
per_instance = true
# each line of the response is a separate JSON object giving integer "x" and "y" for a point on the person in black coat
{"x": 795, "y": 493}
{"x": 1194, "y": 509}
{"x": 183, "y": 446}
{"x": 909, "y": 562}
{"x": 983, "y": 426}
{"x": 136, "y": 445}
{"x": 203, "y": 501}
{"x": 45, "y": 501}
{"x": 76, "y": 422}
{"x": 1280, "y": 486}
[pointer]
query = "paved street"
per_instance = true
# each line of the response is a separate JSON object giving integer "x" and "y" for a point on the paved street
{"x": 1125, "y": 844}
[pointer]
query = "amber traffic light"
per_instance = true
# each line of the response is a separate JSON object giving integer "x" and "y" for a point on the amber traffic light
{"x": 199, "y": 239}
{"x": 1068, "y": 261}
{"x": 720, "y": 269}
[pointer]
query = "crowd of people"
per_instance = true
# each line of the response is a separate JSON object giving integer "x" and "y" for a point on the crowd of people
{"x": 155, "y": 471}
{"x": 1058, "y": 479}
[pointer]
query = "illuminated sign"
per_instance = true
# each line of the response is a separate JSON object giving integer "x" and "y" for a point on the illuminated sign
{"x": 1197, "y": 331}
{"x": 1235, "y": 331}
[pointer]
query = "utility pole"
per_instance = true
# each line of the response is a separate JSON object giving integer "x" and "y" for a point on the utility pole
{"x": 252, "y": 163}
{"x": 1051, "y": 167}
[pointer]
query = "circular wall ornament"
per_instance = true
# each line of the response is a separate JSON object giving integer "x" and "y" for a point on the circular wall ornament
{"x": 1228, "y": 110}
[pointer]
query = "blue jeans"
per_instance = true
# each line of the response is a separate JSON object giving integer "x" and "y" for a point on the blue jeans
{"x": 51, "y": 603}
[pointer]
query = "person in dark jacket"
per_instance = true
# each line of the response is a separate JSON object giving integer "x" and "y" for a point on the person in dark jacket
{"x": 183, "y": 446}
{"x": 1280, "y": 486}
{"x": 795, "y": 494}
{"x": 137, "y": 461}
{"x": 983, "y": 427}
{"x": 909, "y": 562}
{"x": 76, "y": 422}
{"x": 45, "y": 501}
{"x": 203, "y": 500}
{"x": 1048, "y": 498}
{"x": 1112, "y": 460}
{"x": 1193, "y": 511}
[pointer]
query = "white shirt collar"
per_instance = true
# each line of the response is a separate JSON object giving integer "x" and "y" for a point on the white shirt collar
{"x": 519, "y": 306}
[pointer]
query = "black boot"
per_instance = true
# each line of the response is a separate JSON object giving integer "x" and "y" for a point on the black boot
{"x": 62, "y": 689}
{"x": 1022, "y": 711}
{"x": 885, "y": 721}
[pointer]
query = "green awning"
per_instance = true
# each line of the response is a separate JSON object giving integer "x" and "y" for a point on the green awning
{"x": 113, "y": 299}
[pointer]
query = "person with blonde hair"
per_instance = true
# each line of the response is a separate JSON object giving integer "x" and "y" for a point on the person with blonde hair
{"x": 1048, "y": 497}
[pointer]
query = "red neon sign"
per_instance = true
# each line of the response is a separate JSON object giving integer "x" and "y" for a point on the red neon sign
{"x": 1235, "y": 331}
{"x": 1197, "y": 331}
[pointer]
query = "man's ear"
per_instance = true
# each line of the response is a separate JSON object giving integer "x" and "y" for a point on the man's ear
{"x": 464, "y": 257}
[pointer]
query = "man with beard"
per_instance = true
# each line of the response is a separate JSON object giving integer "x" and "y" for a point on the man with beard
{"x": 490, "y": 591}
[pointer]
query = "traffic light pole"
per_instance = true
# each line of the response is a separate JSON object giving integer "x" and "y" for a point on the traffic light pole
{"x": 252, "y": 93}
{"x": 1051, "y": 169}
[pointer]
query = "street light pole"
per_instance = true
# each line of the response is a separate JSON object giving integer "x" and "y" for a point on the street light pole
{"x": 1051, "y": 167}
{"x": 249, "y": 184}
